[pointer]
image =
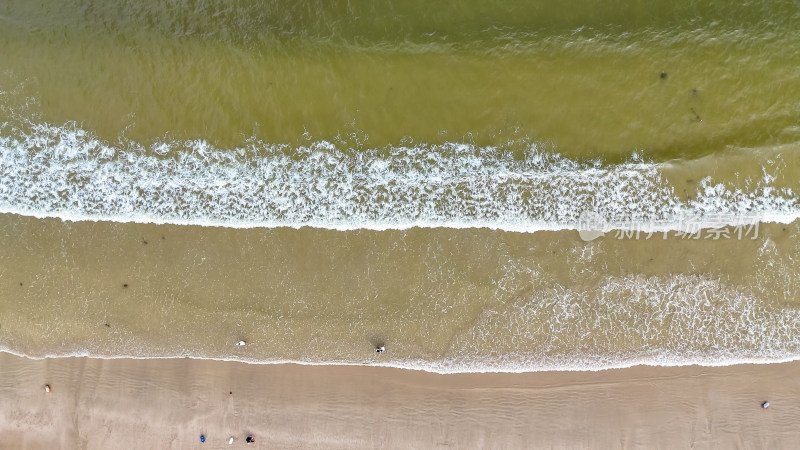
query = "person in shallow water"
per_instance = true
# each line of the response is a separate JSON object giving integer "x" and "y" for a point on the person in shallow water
{"x": 380, "y": 349}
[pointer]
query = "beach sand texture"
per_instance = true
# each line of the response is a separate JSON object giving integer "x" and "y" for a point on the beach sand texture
{"x": 101, "y": 404}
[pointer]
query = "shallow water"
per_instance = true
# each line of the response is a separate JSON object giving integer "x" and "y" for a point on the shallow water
{"x": 320, "y": 178}
{"x": 439, "y": 299}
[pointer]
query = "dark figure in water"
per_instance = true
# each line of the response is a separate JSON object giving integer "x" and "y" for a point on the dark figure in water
{"x": 663, "y": 75}
{"x": 380, "y": 349}
{"x": 250, "y": 439}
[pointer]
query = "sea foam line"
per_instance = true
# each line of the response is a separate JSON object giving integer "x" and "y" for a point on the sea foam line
{"x": 447, "y": 369}
{"x": 68, "y": 173}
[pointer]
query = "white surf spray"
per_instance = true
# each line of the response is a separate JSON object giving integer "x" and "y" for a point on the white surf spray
{"x": 67, "y": 172}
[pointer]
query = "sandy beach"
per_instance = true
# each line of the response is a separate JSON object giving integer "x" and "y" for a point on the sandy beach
{"x": 101, "y": 404}
{"x": 503, "y": 195}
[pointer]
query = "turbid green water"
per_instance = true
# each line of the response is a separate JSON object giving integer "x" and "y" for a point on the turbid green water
{"x": 443, "y": 155}
{"x": 585, "y": 76}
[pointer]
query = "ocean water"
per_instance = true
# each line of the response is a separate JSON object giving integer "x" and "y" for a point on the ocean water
{"x": 478, "y": 186}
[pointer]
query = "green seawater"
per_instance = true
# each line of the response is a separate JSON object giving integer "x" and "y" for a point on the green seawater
{"x": 594, "y": 79}
{"x": 409, "y": 174}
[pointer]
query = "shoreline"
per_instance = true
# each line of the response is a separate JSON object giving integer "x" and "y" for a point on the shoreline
{"x": 628, "y": 364}
{"x": 300, "y": 406}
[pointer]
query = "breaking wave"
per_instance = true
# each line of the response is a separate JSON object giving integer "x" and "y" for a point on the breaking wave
{"x": 69, "y": 173}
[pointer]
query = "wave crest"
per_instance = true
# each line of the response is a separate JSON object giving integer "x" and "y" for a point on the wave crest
{"x": 67, "y": 172}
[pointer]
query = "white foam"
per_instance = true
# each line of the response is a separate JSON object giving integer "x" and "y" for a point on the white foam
{"x": 66, "y": 172}
{"x": 623, "y": 321}
{"x": 571, "y": 365}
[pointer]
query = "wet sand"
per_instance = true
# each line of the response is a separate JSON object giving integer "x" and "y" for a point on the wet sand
{"x": 169, "y": 403}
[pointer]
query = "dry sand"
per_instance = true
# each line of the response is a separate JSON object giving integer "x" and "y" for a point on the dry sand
{"x": 104, "y": 404}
